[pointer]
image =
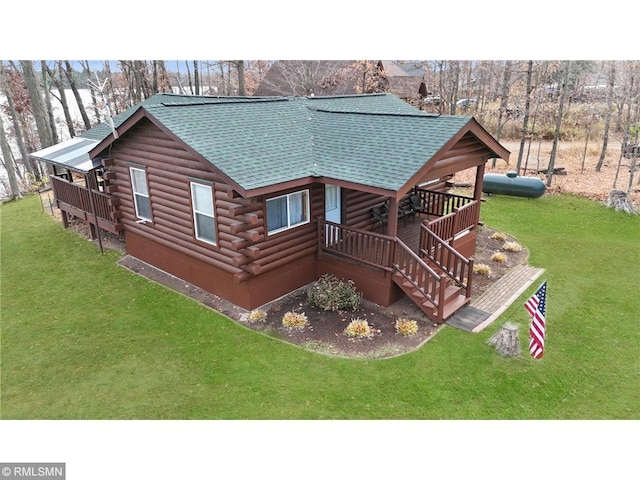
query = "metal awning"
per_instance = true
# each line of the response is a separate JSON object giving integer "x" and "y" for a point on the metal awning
{"x": 72, "y": 154}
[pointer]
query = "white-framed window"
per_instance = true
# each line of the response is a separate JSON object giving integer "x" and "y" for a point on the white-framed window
{"x": 141, "y": 193}
{"x": 203, "y": 213}
{"x": 287, "y": 211}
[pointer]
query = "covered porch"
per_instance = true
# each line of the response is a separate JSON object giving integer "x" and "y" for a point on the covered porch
{"x": 429, "y": 257}
{"x": 79, "y": 185}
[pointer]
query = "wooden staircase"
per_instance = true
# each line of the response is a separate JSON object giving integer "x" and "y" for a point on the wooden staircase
{"x": 454, "y": 298}
{"x": 438, "y": 277}
{"x": 435, "y": 291}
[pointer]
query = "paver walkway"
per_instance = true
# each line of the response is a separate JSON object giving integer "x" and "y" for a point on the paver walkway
{"x": 483, "y": 310}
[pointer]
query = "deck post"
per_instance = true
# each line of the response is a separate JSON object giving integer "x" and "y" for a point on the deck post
{"x": 392, "y": 218}
{"x": 93, "y": 212}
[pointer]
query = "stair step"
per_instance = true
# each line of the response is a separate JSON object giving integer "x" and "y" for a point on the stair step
{"x": 453, "y": 306}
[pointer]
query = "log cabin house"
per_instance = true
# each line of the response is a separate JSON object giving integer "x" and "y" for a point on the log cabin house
{"x": 251, "y": 198}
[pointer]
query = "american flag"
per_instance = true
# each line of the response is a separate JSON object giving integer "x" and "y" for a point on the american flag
{"x": 537, "y": 308}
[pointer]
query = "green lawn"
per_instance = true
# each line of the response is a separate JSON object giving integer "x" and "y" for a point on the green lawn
{"x": 83, "y": 338}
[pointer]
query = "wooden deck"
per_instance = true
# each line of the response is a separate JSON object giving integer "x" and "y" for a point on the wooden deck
{"x": 409, "y": 234}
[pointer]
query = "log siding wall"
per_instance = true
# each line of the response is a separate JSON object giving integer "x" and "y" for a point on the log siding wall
{"x": 247, "y": 266}
{"x": 245, "y": 255}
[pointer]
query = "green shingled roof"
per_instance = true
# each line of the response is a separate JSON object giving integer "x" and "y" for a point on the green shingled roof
{"x": 374, "y": 140}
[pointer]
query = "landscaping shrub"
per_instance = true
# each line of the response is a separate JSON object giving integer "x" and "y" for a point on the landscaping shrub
{"x": 482, "y": 269}
{"x": 294, "y": 320}
{"x": 257, "y": 316}
{"x": 406, "y": 327}
{"x": 499, "y": 257}
{"x": 330, "y": 293}
{"x": 499, "y": 236}
{"x": 358, "y": 328}
{"x": 512, "y": 247}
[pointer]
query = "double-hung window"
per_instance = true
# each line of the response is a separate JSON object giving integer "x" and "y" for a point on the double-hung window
{"x": 141, "y": 193}
{"x": 287, "y": 211}
{"x": 203, "y": 213}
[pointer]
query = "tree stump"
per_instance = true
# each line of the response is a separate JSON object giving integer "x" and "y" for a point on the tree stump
{"x": 506, "y": 340}
{"x": 619, "y": 201}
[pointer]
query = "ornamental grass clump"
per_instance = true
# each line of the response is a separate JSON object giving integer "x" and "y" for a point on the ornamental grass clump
{"x": 294, "y": 320}
{"x": 358, "y": 328}
{"x": 330, "y": 293}
{"x": 406, "y": 327}
{"x": 499, "y": 257}
{"x": 512, "y": 247}
{"x": 499, "y": 236}
{"x": 482, "y": 269}
{"x": 257, "y": 316}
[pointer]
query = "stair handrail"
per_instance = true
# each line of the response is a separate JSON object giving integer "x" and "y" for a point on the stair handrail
{"x": 462, "y": 266}
{"x": 433, "y": 290}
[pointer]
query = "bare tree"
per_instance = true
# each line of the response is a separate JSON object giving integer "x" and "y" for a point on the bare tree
{"x": 37, "y": 104}
{"x": 554, "y": 148}
{"x": 240, "y": 68}
{"x": 8, "y": 163}
{"x": 87, "y": 71}
{"x": 504, "y": 98}
{"x": 607, "y": 118}
{"x": 32, "y": 169}
{"x": 525, "y": 121}
{"x": 74, "y": 88}
{"x": 196, "y": 76}
{"x": 61, "y": 97}
{"x": 47, "y": 102}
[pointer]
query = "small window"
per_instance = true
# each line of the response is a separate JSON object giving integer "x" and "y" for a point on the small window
{"x": 331, "y": 197}
{"x": 287, "y": 211}
{"x": 203, "y": 213}
{"x": 141, "y": 193}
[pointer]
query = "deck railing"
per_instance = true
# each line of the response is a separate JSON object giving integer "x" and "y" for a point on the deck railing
{"x": 78, "y": 196}
{"x": 367, "y": 247}
{"x": 458, "y": 267}
{"x": 460, "y": 219}
{"x": 414, "y": 270}
{"x": 440, "y": 203}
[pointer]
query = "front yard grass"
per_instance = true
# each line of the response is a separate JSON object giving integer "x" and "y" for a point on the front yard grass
{"x": 82, "y": 338}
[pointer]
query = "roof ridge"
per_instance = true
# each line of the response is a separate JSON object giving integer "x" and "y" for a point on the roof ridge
{"x": 388, "y": 114}
{"x": 229, "y": 100}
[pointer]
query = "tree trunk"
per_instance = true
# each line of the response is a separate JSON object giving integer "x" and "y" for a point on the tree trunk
{"x": 37, "y": 104}
{"x": 34, "y": 172}
{"x": 47, "y": 102}
{"x": 76, "y": 94}
{"x": 189, "y": 78}
{"x": 525, "y": 121}
{"x": 8, "y": 163}
{"x": 115, "y": 109}
{"x": 506, "y": 340}
{"x": 196, "y": 76}
{"x": 607, "y": 119}
{"x": 59, "y": 83}
{"x": 241, "y": 88}
{"x": 504, "y": 99}
{"x": 556, "y": 136}
{"x": 94, "y": 102}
